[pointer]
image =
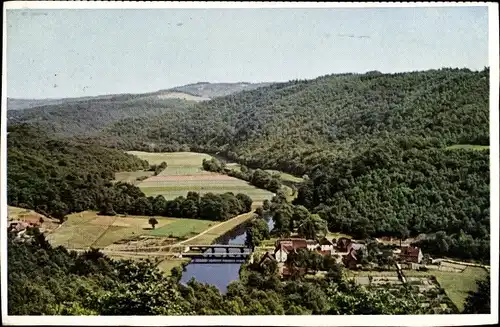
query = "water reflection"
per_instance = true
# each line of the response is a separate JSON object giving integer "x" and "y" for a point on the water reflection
{"x": 219, "y": 274}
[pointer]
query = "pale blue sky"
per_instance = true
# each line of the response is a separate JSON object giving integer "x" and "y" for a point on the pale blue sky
{"x": 69, "y": 53}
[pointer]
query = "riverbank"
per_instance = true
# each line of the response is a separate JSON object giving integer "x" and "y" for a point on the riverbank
{"x": 217, "y": 231}
{"x": 206, "y": 237}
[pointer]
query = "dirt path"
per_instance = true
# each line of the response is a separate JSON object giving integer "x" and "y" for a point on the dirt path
{"x": 210, "y": 229}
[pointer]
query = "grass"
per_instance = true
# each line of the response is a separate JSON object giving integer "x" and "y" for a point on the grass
{"x": 131, "y": 176}
{"x": 458, "y": 285}
{"x": 286, "y": 176}
{"x": 337, "y": 235}
{"x": 167, "y": 265}
{"x": 190, "y": 163}
{"x": 87, "y": 229}
{"x": 174, "y": 160}
{"x": 182, "y": 228}
{"x": 468, "y": 147}
{"x": 220, "y": 230}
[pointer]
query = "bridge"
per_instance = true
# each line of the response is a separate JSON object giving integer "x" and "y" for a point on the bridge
{"x": 217, "y": 256}
{"x": 213, "y": 247}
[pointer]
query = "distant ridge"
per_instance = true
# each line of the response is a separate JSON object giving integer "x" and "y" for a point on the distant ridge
{"x": 199, "y": 91}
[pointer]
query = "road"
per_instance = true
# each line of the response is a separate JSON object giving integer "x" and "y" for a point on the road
{"x": 161, "y": 253}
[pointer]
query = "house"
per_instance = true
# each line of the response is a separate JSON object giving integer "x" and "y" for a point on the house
{"x": 18, "y": 226}
{"x": 355, "y": 246}
{"x": 281, "y": 253}
{"x": 311, "y": 245}
{"x": 286, "y": 271}
{"x": 351, "y": 259}
{"x": 285, "y": 246}
{"x": 411, "y": 254}
{"x": 266, "y": 258}
{"x": 342, "y": 244}
{"x": 327, "y": 244}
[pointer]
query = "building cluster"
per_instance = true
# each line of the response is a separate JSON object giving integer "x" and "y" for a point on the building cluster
{"x": 19, "y": 227}
{"x": 345, "y": 250}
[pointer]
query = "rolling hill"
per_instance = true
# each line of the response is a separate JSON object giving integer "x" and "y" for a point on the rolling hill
{"x": 375, "y": 146}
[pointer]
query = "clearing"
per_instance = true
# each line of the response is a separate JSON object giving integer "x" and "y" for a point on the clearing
{"x": 456, "y": 284}
{"x": 131, "y": 177}
{"x": 185, "y": 173}
{"x": 468, "y": 147}
{"x": 183, "y": 228}
{"x": 286, "y": 177}
{"x": 16, "y": 213}
{"x": 88, "y": 229}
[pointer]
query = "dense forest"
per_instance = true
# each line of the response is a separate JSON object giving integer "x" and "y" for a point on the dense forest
{"x": 58, "y": 282}
{"x": 401, "y": 192}
{"x": 296, "y": 125}
{"x": 91, "y": 116}
{"x": 57, "y": 177}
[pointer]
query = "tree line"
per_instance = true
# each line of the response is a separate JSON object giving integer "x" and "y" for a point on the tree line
{"x": 393, "y": 191}
{"x": 59, "y": 282}
{"x": 258, "y": 177}
{"x": 58, "y": 177}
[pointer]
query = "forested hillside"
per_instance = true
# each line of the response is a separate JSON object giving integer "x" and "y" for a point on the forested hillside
{"x": 214, "y": 90}
{"x": 403, "y": 190}
{"x": 57, "y": 177}
{"x": 88, "y": 117}
{"x": 373, "y": 145}
{"x": 296, "y": 125}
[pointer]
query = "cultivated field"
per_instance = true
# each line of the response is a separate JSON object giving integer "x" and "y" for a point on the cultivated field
{"x": 132, "y": 176}
{"x": 468, "y": 147}
{"x": 183, "y": 228}
{"x": 16, "y": 213}
{"x": 456, "y": 284}
{"x": 87, "y": 229}
{"x": 185, "y": 173}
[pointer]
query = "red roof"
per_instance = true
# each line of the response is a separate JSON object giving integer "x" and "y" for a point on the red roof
{"x": 410, "y": 251}
{"x": 291, "y": 244}
{"x": 287, "y": 271}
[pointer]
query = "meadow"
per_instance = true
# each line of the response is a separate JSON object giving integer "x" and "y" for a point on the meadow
{"x": 182, "y": 228}
{"x": 184, "y": 173}
{"x": 468, "y": 147}
{"x": 87, "y": 229}
{"x": 131, "y": 177}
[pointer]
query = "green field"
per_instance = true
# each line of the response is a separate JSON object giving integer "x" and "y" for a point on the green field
{"x": 183, "y": 228}
{"x": 131, "y": 176}
{"x": 178, "y": 163}
{"x": 285, "y": 176}
{"x": 184, "y": 173}
{"x": 167, "y": 265}
{"x": 456, "y": 284}
{"x": 87, "y": 229}
{"x": 468, "y": 147}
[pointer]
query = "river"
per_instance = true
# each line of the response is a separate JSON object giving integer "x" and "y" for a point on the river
{"x": 219, "y": 274}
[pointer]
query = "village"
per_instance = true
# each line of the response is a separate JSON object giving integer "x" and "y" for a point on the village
{"x": 373, "y": 255}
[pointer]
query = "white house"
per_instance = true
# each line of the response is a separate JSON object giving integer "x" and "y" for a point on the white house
{"x": 327, "y": 244}
{"x": 311, "y": 245}
{"x": 281, "y": 254}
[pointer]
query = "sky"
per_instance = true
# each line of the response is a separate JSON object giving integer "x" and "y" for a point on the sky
{"x": 60, "y": 53}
